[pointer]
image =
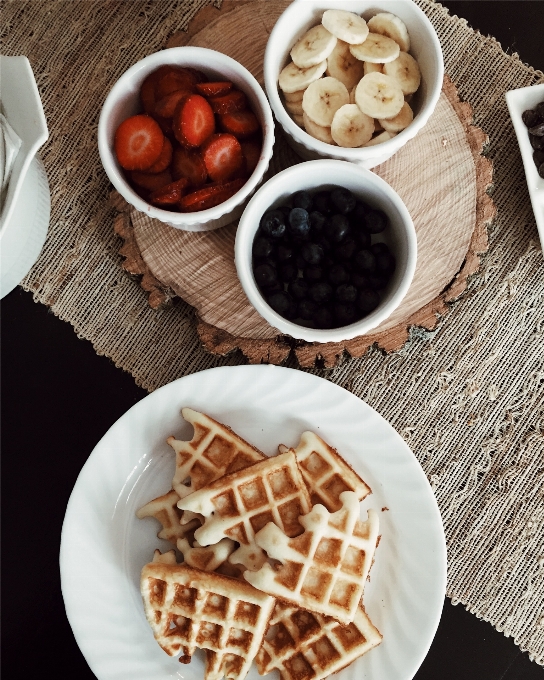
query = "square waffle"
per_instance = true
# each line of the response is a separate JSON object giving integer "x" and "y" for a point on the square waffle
{"x": 215, "y": 450}
{"x": 188, "y": 608}
{"x": 206, "y": 559}
{"x": 165, "y": 510}
{"x": 306, "y": 646}
{"x": 325, "y": 472}
{"x": 240, "y": 504}
{"x": 325, "y": 568}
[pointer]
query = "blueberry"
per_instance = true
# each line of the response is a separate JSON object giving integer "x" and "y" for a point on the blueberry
{"x": 265, "y": 275}
{"x": 380, "y": 248}
{"x": 282, "y": 303}
{"x": 346, "y": 249}
{"x": 285, "y": 253}
{"x": 537, "y": 142}
{"x": 302, "y": 199}
{"x": 337, "y": 228}
{"x": 325, "y": 243}
{"x": 375, "y": 221}
{"x": 363, "y": 238}
{"x": 300, "y": 262}
{"x": 273, "y": 223}
{"x": 312, "y": 253}
{"x": 287, "y": 272}
{"x": 346, "y": 293}
{"x": 299, "y": 289}
{"x": 385, "y": 263}
{"x": 359, "y": 280}
{"x": 262, "y": 247}
{"x": 274, "y": 288}
{"x": 322, "y": 202}
{"x": 306, "y": 309}
{"x": 299, "y": 223}
{"x": 324, "y": 318}
{"x": 317, "y": 221}
{"x": 343, "y": 200}
{"x": 313, "y": 272}
{"x": 368, "y": 300}
{"x": 357, "y": 216}
{"x": 345, "y": 313}
{"x": 378, "y": 281}
{"x": 338, "y": 274}
{"x": 321, "y": 292}
{"x": 365, "y": 261}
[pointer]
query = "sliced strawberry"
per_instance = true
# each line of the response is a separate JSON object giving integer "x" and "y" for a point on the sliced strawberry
{"x": 188, "y": 163}
{"x": 215, "y": 89}
{"x": 222, "y": 156}
{"x": 138, "y": 142}
{"x": 210, "y": 196}
{"x": 166, "y": 125}
{"x": 170, "y": 194}
{"x": 241, "y": 124}
{"x": 176, "y": 79}
{"x": 251, "y": 151}
{"x": 166, "y": 106}
{"x": 146, "y": 180}
{"x": 198, "y": 75}
{"x": 164, "y": 159}
{"x": 147, "y": 89}
{"x": 193, "y": 121}
{"x": 235, "y": 100}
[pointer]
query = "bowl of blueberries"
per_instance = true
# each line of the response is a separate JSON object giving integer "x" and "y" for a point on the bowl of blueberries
{"x": 325, "y": 251}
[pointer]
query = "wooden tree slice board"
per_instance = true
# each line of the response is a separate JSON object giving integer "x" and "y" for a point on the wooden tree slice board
{"x": 441, "y": 176}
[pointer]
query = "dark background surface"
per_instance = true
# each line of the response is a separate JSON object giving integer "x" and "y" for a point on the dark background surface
{"x": 58, "y": 399}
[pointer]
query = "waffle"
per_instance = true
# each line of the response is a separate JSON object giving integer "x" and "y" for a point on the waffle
{"x": 165, "y": 510}
{"x": 188, "y": 608}
{"x": 215, "y": 450}
{"x": 306, "y": 646}
{"x": 325, "y": 472}
{"x": 240, "y": 504}
{"x": 325, "y": 568}
{"x": 206, "y": 559}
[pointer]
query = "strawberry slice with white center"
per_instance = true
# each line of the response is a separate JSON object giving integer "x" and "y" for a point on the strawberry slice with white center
{"x": 222, "y": 155}
{"x": 193, "y": 121}
{"x": 138, "y": 142}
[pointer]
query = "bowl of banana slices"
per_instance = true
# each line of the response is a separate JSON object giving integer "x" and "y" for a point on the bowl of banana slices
{"x": 352, "y": 80}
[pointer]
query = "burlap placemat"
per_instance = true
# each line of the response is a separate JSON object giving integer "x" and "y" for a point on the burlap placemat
{"x": 468, "y": 398}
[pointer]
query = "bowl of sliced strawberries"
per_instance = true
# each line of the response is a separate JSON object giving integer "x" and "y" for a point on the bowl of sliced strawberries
{"x": 352, "y": 80}
{"x": 185, "y": 136}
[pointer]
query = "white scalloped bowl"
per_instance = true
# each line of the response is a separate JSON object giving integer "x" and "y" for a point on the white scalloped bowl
{"x": 300, "y": 16}
{"x": 324, "y": 174}
{"x": 123, "y": 101}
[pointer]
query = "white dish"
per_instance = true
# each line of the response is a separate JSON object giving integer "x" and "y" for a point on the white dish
{"x": 518, "y": 101}
{"x": 300, "y": 16}
{"x": 368, "y": 187}
{"x": 104, "y": 546}
{"x": 123, "y": 101}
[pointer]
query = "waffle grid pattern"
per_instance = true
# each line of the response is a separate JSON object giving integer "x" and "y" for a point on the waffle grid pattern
{"x": 165, "y": 510}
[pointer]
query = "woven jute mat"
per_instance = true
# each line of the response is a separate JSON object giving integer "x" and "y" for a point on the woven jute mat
{"x": 467, "y": 397}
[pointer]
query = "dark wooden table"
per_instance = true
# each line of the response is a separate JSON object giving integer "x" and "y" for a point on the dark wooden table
{"x": 58, "y": 399}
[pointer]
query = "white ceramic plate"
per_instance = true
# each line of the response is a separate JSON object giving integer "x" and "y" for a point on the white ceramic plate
{"x": 518, "y": 101}
{"x": 104, "y": 546}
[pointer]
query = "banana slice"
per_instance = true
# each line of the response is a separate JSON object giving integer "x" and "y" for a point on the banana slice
{"x": 383, "y": 137}
{"x": 351, "y": 127}
{"x": 369, "y": 67}
{"x": 323, "y": 98}
{"x": 318, "y": 131}
{"x": 379, "y": 96}
{"x": 346, "y": 26}
{"x": 352, "y": 94}
{"x": 400, "y": 121}
{"x": 342, "y": 65}
{"x": 294, "y": 108}
{"x": 391, "y": 26}
{"x": 299, "y": 120}
{"x": 377, "y": 49}
{"x": 405, "y": 70}
{"x": 293, "y": 96}
{"x": 292, "y": 78}
{"x": 313, "y": 47}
